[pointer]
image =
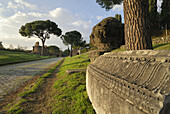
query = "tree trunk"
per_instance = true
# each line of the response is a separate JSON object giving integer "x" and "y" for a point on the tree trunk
{"x": 137, "y": 25}
{"x": 79, "y": 50}
{"x": 71, "y": 51}
{"x": 42, "y": 49}
{"x": 166, "y": 32}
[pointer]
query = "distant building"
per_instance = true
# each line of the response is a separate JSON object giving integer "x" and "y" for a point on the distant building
{"x": 1, "y": 46}
{"x": 37, "y": 49}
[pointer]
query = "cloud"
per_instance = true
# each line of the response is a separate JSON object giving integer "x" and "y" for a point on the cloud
{"x": 99, "y": 17}
{"x": 9, "y": 27}
{"x": 118, "y": 8}
{"x": 20, "y": 4}
{"x": 28, "y": 5}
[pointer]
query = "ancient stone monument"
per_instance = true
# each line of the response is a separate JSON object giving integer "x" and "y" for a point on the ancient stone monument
{"x": 130, "y": 82}
{"x": 1, "y": 46}
{"x": 37, "y": 49}
{"x": 108, "y": 34}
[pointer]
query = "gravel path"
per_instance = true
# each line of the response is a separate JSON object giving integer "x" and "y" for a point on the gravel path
{"x": 12, "y": 76}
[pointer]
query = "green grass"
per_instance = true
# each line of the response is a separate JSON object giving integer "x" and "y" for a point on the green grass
{"x": 165, "y": 46}
{"x": 7, "y": 57}
{"x": 69, "y": 91}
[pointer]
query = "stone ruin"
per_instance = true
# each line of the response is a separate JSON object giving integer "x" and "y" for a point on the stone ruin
{"x": 108, "y": 34}
{"x": 1, "y": 46}
{"x": 130, "y": 82}
{"x": 37, "y": 49}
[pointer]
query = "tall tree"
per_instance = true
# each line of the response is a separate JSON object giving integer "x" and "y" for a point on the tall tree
{"x": 80, "y": 44}
{"x": 154, "y": 17}
{"x": 72, "y": 38}
{"x": 137, "y": 24}
{"x": 165, "y": 15}
{"x": 40, "y": 29}
{"x": 54, "y": 50}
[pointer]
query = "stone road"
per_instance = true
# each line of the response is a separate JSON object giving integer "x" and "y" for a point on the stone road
{"x": 12, "y": 76}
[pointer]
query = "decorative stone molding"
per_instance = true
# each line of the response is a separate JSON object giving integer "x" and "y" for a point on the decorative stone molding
{"x": 137, "y": 79}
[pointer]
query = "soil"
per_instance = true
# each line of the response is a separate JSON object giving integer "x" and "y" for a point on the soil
{"x": 37, "y": 102}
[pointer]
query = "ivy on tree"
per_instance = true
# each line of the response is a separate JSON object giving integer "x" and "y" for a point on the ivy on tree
{"x": 40, "y": 29}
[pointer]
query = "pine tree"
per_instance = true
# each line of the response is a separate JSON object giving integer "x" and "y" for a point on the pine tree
{"x": 165, "y": 15}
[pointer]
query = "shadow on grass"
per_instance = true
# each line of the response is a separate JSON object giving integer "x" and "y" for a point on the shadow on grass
{"x": 159, "y": 45}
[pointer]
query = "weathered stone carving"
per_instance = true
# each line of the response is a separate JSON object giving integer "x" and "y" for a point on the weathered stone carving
{"x": 107, "y": 34}
{"x": 130, "y": 82}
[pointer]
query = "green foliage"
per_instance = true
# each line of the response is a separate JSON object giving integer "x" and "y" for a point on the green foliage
{"x": 108, "y": 4}
{"x": 8, "y": 57}
{"x": 41, "y": 30}
{"x": 54, "y": 50}
{"x": 73, "y": 38}
{"x": 118, "y": 17}
{"x": 165, "y": 46}
{"x": 165, "y": 13}
{"x": 70, "y": 94}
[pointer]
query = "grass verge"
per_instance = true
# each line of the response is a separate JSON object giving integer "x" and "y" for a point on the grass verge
{"x": 31, "y": 89}
{"x": 8, "y": 57}
{"x": 165, "y": 46}
{"x": 69, "y": 91}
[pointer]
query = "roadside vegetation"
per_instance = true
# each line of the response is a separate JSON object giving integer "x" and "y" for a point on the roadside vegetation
{"x": 8, "y": 57}
{"x": 69, "y": 92}
{"x": 165, "y": 46}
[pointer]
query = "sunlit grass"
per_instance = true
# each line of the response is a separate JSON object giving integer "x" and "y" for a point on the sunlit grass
{"x": 7, "y": 57}
{"x": 69, "y": 91}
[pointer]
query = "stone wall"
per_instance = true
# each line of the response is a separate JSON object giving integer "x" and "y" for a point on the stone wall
{"x": 130, "y": 82}
{"x": 161, "y": 40}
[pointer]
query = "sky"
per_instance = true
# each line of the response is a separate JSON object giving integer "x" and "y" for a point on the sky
{"x": 69, "y": 15}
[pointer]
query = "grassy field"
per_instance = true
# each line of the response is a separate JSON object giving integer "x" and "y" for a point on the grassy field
{"x": 7, "y": 57}
{"x": 69, "y": 91}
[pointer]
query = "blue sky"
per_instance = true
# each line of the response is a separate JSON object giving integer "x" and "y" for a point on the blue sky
{"x": 80, "y": 15}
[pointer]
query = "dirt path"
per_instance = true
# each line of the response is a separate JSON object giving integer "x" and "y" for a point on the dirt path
{"x": 37, "y": 103}
{"x": 13, "y": 76}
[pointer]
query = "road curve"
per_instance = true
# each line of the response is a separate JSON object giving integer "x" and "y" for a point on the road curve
{"x": 12, "y": 76}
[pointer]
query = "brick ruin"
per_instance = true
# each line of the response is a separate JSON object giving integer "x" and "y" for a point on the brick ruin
{"x": 37, "y": 49}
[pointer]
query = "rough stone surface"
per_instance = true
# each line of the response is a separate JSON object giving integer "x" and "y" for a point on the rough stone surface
{"x": 70, "y": 71}
{"x": 130, "y": 82}
{"x": 161, "y": 40}
{"x": 107, "y": 34}
{"x": 12, "y": 76}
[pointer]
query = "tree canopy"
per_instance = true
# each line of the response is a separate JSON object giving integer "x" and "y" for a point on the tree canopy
{"x": 40, "y": 29}
{"x": 165, "y": 13}
{"x": 73, "y": 38}
{"x": 54, "y": 50}
{"x": 108, "y": 4}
